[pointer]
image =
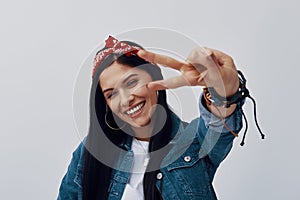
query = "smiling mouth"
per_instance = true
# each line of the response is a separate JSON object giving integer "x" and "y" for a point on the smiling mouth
{"x": 131, "y": 112}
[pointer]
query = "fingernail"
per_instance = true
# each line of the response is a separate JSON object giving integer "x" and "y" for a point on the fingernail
{"x": 204, "y": 73}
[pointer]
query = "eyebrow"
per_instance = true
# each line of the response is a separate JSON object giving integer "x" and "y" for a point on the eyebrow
{"x": 124, "y": 81}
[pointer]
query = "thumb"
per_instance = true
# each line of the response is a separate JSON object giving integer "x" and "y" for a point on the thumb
{"x": 156, "y": 85}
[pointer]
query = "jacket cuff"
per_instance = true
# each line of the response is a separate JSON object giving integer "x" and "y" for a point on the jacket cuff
{"x": 234, "y": 121}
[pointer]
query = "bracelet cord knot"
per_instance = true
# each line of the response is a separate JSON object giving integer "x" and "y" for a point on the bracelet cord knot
{"x": 213, "y": 98}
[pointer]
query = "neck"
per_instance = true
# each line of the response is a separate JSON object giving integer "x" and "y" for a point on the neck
{"x": 143, "y": 133}
{"x": 143, "y": 139}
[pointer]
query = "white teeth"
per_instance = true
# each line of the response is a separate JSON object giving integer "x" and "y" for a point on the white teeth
{"x": 135, "y": 109}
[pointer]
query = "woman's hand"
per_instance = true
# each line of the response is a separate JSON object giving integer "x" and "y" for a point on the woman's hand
{"x": 203, "y": 67}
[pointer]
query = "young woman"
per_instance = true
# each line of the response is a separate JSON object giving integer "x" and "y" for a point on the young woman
{"x": 136, "y": 147}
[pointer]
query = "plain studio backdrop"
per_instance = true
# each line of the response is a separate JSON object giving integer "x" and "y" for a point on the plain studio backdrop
{"x": 44, "y": 43}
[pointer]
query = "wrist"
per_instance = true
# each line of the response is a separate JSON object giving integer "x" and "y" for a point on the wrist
{"x": 237, "y": 93}
{"x": 228, "y": 87}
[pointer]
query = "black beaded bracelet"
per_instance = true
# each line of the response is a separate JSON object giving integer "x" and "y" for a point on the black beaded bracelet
{"x": 211, "y": 96}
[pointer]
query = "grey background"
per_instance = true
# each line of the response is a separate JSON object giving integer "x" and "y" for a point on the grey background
{"x": 44, "y": 43}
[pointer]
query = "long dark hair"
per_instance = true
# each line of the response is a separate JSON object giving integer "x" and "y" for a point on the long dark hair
{"x": 96, "y": 174}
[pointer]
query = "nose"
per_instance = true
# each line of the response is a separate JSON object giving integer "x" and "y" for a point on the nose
{"x": 126, "y": 98}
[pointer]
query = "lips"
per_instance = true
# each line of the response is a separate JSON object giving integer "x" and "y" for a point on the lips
{"x": 135, "y": 109}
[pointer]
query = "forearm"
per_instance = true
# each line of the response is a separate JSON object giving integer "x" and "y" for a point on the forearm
{"x": 215, "y": 136}
{"x": 221, "y": 111}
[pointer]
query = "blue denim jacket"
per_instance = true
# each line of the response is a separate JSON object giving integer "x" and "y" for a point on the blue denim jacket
{"x": 198, "y": 148}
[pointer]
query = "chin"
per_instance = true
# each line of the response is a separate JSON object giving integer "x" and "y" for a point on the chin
{"x": 139, "y": 123}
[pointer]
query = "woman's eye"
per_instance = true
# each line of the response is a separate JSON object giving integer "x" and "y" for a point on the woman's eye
{"x": 112, "y": 94}
{"x": 132, "y": 82}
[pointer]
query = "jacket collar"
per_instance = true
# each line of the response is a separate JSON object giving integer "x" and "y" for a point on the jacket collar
{"x": 177, "y": 127}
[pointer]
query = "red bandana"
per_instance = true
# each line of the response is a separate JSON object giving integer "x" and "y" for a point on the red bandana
{"x": 113, "y": 46}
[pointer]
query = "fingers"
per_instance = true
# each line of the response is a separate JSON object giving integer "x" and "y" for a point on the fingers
{"x": 201, "y": 77}
{"x": 160, "y": 59}
{"x": 202, "y": 59}
{"x": 169, "y": 83}
{"x": 220, "y": 58}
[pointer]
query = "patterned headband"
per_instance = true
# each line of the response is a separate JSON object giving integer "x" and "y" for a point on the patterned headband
{"x": 113, "y": 46}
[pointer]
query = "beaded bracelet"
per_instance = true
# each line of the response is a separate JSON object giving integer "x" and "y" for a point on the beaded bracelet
{"x": 213, "y": 98}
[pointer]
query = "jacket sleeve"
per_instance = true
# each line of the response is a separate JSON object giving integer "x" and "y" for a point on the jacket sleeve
{"x": 216, "y": 140}
{"x": 70, "y": 187}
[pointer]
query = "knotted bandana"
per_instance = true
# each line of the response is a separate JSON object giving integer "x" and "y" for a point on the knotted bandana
{"x": 113, "y": 46}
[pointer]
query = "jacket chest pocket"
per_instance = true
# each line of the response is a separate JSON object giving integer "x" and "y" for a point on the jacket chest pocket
{"x": 117, "y": 185}
{"x": 188, "y": 174}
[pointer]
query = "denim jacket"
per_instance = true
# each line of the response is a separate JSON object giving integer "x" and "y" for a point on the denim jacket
{"x": 198, "y": 148}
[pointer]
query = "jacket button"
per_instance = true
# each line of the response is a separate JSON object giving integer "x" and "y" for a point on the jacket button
{"x": 187, "y": 158}
{"x": 159, "y": 176}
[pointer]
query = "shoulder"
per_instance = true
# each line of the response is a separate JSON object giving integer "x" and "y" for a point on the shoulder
{"x": 78, "y": 154}
{"x": 77, "y": 158}
{"x": 71, "y": 182}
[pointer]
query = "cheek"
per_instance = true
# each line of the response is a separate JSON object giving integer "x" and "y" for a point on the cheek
{"x": 140, "y": 91}
{"x": 113, "y": 105}
{"x": 152, "y": 96}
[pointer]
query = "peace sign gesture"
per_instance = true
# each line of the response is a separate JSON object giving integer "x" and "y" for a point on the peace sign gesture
{"x": 203, "y": 67}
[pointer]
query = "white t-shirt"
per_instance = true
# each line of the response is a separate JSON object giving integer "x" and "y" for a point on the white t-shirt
{"x": 134, "y": 188}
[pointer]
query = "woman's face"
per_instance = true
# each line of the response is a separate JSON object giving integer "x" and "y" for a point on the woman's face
{"x": 126, "y": 93}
